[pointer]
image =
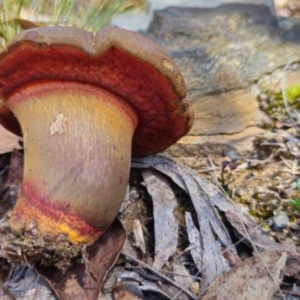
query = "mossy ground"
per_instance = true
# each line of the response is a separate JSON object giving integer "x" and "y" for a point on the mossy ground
{"x": 273, "y": 104}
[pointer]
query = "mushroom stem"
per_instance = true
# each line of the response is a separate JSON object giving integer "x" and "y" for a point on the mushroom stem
{"x": 77, "y": 141}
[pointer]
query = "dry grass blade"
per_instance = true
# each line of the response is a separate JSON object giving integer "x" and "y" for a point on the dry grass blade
{"x": 192, "y": 296}
{"x": 86, "y": 14}
{"x": 294, "y": 116}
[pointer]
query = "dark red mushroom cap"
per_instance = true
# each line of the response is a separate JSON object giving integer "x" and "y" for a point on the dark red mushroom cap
{"x": 125, "y": 63}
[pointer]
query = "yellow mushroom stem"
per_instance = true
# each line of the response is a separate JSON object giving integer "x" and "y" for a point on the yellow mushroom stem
{"x": 77, "y": 147}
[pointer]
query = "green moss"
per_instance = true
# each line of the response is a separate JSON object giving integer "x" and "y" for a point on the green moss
{"x": 293, "y": 95}
{"x": 275, "y": 103}
{"x": 260, "y": 213}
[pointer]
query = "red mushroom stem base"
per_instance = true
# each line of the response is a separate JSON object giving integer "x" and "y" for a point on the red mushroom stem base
{"x": 77, "y": 150}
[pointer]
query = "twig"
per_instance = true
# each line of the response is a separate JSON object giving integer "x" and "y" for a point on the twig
{"x": 160, "y": 275}
{"x": 250, "y": 232}
{"x": 294, "y": 293}
{"x": 183, "y": 275}
{"x": 180, "y": 292}
{"x": 207, "y": 170}
{"x": 144, "y": 274}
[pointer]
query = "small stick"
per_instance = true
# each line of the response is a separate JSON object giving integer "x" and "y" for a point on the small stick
{"x": 293, "y": 293}
{"x": 161, "y": 275}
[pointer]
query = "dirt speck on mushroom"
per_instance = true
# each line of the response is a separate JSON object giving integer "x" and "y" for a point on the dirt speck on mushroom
{"x": 59, "y": 125}
{"x": 179, "y": 78}
{"x": 168, "y": 65}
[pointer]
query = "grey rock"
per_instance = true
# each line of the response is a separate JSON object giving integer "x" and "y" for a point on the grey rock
{"x": 223, "y": 53}
{"x": 280, "y": 221}
{"x": 220, "y": 49}
{"x": 141, "y": 20}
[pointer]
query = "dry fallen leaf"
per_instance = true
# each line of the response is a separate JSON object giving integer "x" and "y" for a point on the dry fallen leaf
{"x": 165, "y": 222}
{"x": 8, "y": 141}
{"x": 16, "y": 173}
{"x": 210, "y": 225}
{"x": 181, "y": 275}
{"x": 194, "y": 239}
{"x": 292, "y": 267}
{"x": 250, "y": 280}
{"x": 25, "y": 24}
{"x": 80, "y": 282}
{"x": 120, "y": 292}
{"x": 139, "y": 241}
{"x": 205, "y": 196}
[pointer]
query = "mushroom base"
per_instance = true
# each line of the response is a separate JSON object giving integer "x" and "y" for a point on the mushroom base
{"x": 56, "y": 250}
{"x": 77, "y": 151}
{"x": 30, "y": 212}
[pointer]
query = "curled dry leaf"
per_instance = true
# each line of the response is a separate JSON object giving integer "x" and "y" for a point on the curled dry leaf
{"x": 120, "y": 292}
{"x": 26, "y": 284}
{"x": 181, "y": 276}
{"x": 25, "y": 24}
{"x": 165, "y": 222}
{"x": 16, "y": 173}
{"x": 139, "y": 236}
{"x": 205, "y": 196}
{"x": 250, "y": 280}
{"x": 8, "y": 141}
{"x": 83, "y": 281}
{"x": 213, "y": 262}
{"x": 292, "y": 267}
{"x": 195, "y": 240}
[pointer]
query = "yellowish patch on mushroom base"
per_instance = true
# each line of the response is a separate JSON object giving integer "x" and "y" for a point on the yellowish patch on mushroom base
{"x": 31, "y": 210}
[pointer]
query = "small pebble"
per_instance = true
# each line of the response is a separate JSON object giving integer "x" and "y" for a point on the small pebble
{"x": 195, "y": 287}
{"x": 233, "y": 155}
{"x": 263, "y": 97}
{"x": 133, "y": 194}
{"x": 294, "y": 226}
{"x": 280, "y": 221}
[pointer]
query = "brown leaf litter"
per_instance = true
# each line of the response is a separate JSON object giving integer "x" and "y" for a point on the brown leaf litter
{"x": 207, "y": 241}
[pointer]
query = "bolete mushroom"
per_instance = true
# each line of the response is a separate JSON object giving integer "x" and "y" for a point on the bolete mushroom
{"x": 84, "y": 104}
